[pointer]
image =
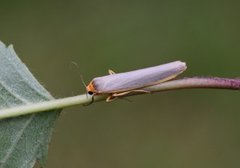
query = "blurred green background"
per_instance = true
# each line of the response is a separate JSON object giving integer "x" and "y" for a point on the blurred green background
{"x": 187, "y": 128}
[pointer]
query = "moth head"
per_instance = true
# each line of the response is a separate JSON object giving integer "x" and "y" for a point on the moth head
{"x": 90, "y": 88}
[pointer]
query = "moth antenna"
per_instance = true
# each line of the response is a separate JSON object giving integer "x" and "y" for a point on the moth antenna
{"x": 75, "y": 64}
{"x": 84, "y": 84}
{"x": 81, "y": 77}
{"x": 82, "y": 80}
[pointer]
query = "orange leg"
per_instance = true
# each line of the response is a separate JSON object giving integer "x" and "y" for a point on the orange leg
{"x": 110, "y": 98}
{"x": 131, "y": 91}
{"x": 111, "y": 72}
{"x": 116, "y": 95}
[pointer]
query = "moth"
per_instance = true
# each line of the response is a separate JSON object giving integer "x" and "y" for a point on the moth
{"x": 120, "y": 84}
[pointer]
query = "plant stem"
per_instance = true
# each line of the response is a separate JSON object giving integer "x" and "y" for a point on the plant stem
{"x": 197, "y": 82}
{"x": 185, "y": 83}
{"x": 47, "y": 105}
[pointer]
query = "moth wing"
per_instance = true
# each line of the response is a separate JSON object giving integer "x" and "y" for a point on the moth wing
{"x": 138, "y": 78}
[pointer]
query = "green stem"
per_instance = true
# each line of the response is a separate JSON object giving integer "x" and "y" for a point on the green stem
{"x": 186, "y": 83}
{"x": 47, "y": 106}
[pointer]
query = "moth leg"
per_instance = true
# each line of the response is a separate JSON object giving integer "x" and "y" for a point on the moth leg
{"x": 140, "y": 91}
{"x": 121, "y": 94}
{"x": 111, "y": 72}
{"x": 132, "y": 91}
{"x": 110, "y": 98}
{"x": 116, "y": 95}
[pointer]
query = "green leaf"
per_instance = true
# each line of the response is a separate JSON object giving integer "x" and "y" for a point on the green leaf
{"x": 23, "y": 140}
